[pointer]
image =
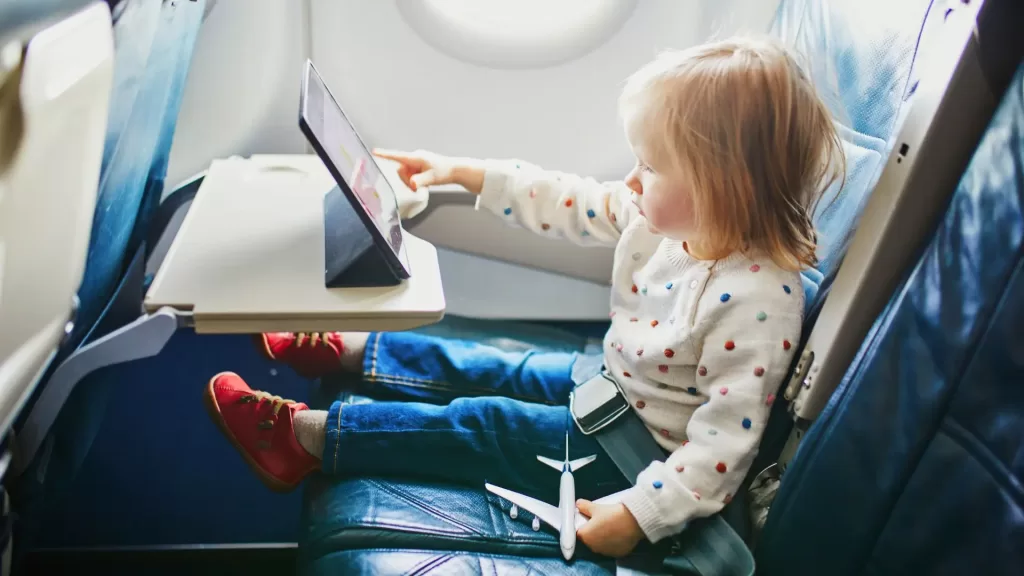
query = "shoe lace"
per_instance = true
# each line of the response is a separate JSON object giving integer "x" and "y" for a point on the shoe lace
{"x": 311, "y": 338}
{"x": 276, "y": 402}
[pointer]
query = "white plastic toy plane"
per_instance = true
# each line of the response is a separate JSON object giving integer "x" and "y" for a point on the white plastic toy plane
{"x": 566, "y": 518}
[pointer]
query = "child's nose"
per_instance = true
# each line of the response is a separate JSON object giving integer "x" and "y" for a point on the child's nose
{"x": 634, "y": 184}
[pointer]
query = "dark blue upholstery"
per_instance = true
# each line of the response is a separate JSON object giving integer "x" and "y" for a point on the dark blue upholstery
{"x": 933, "y": 481}
{"x": 153, "y": 51}
{"x": 455, "y": 563}
{"x": 408, "y": 514}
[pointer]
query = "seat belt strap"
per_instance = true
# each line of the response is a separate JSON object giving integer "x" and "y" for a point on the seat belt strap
{"x": 628, "y": 443}
{"x": 708, "y": 546}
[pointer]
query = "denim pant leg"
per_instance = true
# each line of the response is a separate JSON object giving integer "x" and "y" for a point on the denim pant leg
{"x": 468, "y": 441}
{"x": 411, "y": 366}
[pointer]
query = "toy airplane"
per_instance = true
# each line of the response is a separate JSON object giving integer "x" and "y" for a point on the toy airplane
{"x": 566, "y": 518}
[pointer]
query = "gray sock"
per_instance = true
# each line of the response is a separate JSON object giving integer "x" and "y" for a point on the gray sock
{"x": 353, "y": 350}
{"x": 311, "y": 431}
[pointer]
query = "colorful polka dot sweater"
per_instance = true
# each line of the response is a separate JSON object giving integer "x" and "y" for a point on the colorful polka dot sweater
{"x": 698, "y": 347}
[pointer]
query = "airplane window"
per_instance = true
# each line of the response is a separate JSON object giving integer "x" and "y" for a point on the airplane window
{"x": 516, "y": 33}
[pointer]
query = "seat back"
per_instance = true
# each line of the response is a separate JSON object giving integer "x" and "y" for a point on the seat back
{"x": 922, "y": 439}
{"x": 154, "y": 48}
{"x": 48, "y": 193}
{"x": 153, "y": 43}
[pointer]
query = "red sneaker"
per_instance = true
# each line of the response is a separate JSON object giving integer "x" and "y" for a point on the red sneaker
{"x": 261, "y": 427}
{"x": 310, "y": 355}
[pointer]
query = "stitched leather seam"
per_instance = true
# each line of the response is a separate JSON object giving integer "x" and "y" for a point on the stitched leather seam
{"x": 447, "y": 537}
{"x": 429, "y": 564}
{"x": 980, "y": 453}
{"x": 428, "y": 509}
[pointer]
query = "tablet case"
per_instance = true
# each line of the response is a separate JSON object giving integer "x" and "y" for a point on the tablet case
{"x": 351, "y": 257}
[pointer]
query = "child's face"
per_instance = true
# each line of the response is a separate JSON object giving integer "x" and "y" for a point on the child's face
{"x": 662, "y": 196}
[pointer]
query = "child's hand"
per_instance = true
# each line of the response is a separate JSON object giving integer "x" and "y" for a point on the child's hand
{"x": 422, "y": 168}
{"x": 611, "y": 531}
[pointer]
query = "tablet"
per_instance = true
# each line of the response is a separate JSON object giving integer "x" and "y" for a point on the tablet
{"x": 336, "y": 142}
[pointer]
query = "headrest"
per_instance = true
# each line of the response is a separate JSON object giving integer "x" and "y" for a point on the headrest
{"x": 860, "y": 55}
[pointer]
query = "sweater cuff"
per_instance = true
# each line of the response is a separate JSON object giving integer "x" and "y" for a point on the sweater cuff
{"x": 492, "y": 193}
{"x": 647, "y": 514}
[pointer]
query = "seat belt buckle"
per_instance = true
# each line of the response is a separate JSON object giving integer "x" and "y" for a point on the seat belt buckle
{"x": 597, "y": 403}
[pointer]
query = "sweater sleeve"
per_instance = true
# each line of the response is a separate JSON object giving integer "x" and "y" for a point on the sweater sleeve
{"x": 743, "y": 357}
{"x": 557, "y": 204}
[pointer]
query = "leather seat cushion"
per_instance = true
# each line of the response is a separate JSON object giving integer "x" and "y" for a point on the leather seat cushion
{"x": 388, "y": 561}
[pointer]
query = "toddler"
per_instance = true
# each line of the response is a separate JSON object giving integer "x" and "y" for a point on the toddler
{"x": 712, "y": 225}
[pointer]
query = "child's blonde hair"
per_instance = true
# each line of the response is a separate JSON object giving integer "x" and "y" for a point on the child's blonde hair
{"x": 743, "y": 125}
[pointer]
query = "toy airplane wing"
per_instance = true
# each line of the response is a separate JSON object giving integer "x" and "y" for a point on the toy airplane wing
{"x": 573, "y": 465}
{"x": 546, "y": 512}
{"x": 581, "y": 462}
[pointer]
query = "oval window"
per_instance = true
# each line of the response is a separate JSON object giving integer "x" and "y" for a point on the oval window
{"x": 516, "y": 33}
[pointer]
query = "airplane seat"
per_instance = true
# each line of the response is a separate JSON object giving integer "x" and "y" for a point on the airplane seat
{"x": 922, "y": 436}
{"x": 153, "y": 44}
{"x": 48, "y": 118}
{"x": 862, "y": 58}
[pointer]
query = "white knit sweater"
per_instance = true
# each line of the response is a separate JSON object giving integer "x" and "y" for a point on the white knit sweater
{"x": 698, "y": 347}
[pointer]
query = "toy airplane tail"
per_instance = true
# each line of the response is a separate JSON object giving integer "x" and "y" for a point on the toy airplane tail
{"x": 572, "y": 465}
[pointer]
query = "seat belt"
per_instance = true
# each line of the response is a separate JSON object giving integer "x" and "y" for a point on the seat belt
{"x": 708, "y": 546}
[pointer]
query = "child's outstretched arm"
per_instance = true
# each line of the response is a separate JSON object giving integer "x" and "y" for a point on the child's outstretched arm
{"x": 557, "y": 204}
{"x": 744, "y": 353}
{"x": 546, "y": 202}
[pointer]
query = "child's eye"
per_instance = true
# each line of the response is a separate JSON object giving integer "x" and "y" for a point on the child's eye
{"x": 643, "y": 167}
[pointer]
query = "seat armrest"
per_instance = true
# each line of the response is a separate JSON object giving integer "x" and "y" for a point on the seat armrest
{"x": 441, "y": 196}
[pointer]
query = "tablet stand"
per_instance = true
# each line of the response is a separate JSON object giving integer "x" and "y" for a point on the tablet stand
{"x": 351, "y": 257}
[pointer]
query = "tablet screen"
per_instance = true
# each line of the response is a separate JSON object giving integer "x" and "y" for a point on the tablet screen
{"x": 353, "y": 161}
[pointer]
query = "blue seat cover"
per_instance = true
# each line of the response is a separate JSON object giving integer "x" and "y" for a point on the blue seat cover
{"x": 154, "y": 42}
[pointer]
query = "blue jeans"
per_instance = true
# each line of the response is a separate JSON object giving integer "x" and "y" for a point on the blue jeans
{"x": 468, "y": 413}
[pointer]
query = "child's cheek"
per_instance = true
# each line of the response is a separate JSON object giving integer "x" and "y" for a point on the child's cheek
{"x": 652, "y": 215}
{"x": 668, "y": 220}
{"x": 653, "y": 209}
